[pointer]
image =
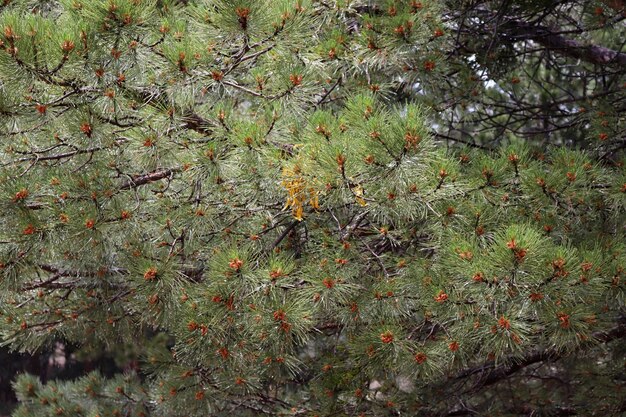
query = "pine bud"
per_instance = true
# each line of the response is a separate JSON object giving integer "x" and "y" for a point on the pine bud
{"x": 150, "y": 274}
{"x": 20, "y": 195}
{"x": 67, "y": 46}
{"x": 441, "y": 297}
{"x": 86, "y": 129}
{"x": 243, "y": 13}
{"x": 386, "y": 337}
{"x": 296, "y": 79}
{"x": 420, "y": 357}
{"x": 235, "y": 264}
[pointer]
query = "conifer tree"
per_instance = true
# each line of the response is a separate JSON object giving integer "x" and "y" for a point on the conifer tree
{"x": 316, "y": 208}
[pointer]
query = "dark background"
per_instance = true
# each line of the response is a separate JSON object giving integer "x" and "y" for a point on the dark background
{"x": 41, "y": 363}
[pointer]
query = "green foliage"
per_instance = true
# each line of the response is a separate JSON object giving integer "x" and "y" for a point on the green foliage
{"x": 258, "y": 195}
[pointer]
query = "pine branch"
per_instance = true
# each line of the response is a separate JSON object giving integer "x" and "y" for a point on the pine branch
{"x": 197, "y": 123}
{"x": 38, "y": 158}
{"x": 491, "y": 374}
{"x": 143, "y": 179}
{"x": 353, "y": 225}
{"x": 284, "y": 234}
{"x": 514, "y": 29}
{"x": 525, "y": 410}
{"x": 72, "y": 273}
{"x": 467, "y": 143}
{"x": 595, "y": 54}
{"x": 617, "y": 5}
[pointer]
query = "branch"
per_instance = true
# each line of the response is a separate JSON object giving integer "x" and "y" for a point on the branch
{"x": 60, "y": 156}
{"x": 284, "y": 234}
{"x": 353, "y": 225}
{"x": 526, "y": 410}
{"x": 568, "y": 47}
{"x": 139, "y": 180}
{"x": 617, "y": 5}
{"x": 470, "y": 144}
{"x": 78, "y": 273}
{"x": 494, "y": 374}
{"x": 195, "y": 122}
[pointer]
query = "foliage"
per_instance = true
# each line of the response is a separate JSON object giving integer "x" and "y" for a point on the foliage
{"x": 304, "y": 207}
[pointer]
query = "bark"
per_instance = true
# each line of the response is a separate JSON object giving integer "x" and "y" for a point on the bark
{"x": 148, "y": 178}
{"x": 595, "y": 54}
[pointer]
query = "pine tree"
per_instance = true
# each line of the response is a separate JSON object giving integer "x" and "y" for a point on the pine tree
{"x": 307, "y": 207}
